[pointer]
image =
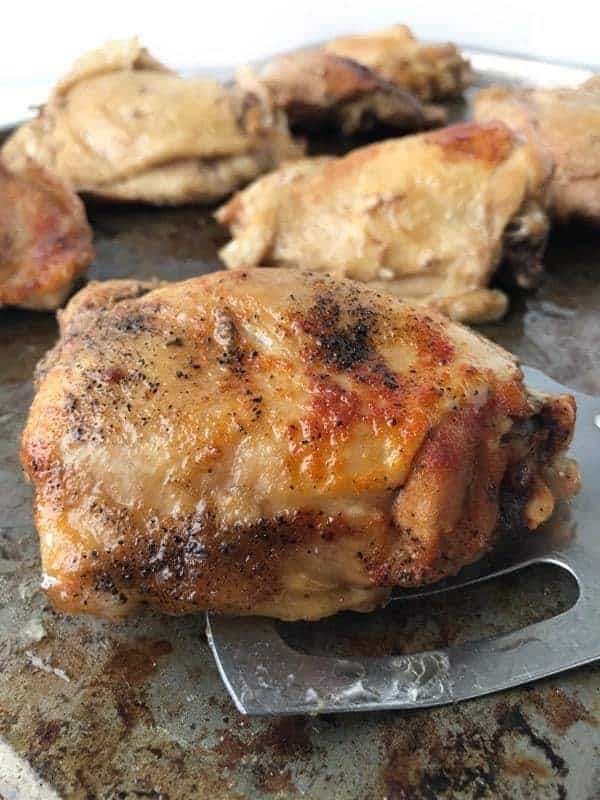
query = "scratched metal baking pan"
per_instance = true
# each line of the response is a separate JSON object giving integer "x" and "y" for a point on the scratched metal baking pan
{"x": 89, "y": 710}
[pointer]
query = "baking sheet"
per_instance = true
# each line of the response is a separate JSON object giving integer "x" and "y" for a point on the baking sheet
{"x": 92, "y": 710}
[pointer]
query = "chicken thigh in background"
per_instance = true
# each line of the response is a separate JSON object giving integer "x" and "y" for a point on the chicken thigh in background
{"x": 432, "y": 72}
{"x": 430, "y": 217}
{"x": 322, "y": 93}
{"x": 121, "y": 126}
{"x": 45, "y": 239}
{"x": 567, "y": 123}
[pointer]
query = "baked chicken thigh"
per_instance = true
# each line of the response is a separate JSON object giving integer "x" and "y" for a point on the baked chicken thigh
{"x": 122, "y": 126}
{"x": 567, "y": 123}
{"x": 45, "y": 239}
{"x": 427, "y": 217}
{"x": 321, "y": 92}
{"x": 430, "y": 71}
{"x": 276, "y": 443}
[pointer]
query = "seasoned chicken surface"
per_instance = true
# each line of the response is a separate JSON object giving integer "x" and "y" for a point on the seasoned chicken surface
{"x": 277, "y": 443}
{"x": 122, "y": 126}
{"x": 45, "y": 240}
{"x": 427, "y": 217}
{"x": 320, "y": 91}
{"x": 567, "y": 123}
{"x": 430, "y": 71}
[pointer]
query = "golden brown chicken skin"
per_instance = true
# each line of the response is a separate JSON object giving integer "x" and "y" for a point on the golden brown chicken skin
{"x": 123, "y": 127}
{"x": 567, "y": 123}
{"x": 430, "y": 71}
{"x": 277, "y": 443}
{"x": 45, "y": 239}
{"x": 428, "y": 217}
{"x": 324, "y": 93}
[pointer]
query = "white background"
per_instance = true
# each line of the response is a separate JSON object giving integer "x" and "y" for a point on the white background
{"x": 38, "y": 40}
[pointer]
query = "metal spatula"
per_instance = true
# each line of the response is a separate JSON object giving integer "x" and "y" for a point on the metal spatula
{"x": 264, "y": 675}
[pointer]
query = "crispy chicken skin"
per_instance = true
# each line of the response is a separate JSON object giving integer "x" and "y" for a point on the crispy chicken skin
{"x": 322, "y": 92}
{"x": 277, "y": 443}
{"x": 430, "y": 71}
{"x": 567, "y": 123}
{"x": 123, "y": 127}
{"x": 427, "y": 217}
{"x": 45, "y": 240}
